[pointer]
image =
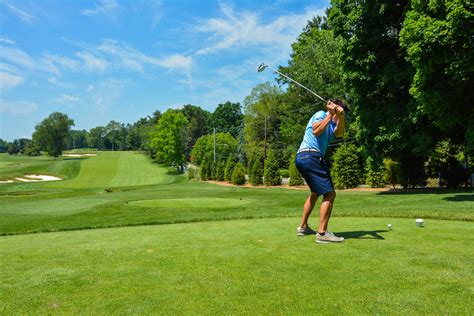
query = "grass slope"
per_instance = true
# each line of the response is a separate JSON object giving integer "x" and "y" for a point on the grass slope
{"x": 116, "y": 169}
{"x": 242, "y": 267}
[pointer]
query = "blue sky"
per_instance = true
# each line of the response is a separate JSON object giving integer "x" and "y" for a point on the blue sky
{"x": 106, "y": 60}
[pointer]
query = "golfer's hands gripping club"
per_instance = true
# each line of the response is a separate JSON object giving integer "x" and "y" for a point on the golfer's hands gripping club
{"x": 333, "y": 108}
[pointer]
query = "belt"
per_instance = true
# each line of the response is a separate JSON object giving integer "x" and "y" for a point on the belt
{"x": 307, "y": 149}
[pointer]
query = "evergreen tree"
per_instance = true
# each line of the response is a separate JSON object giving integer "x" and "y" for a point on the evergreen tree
{"x": 256, "y": 172}
{"x": 229, "y": 169}
{"x": 238, "y": 175}
{"x": 220, "y": 171}
{"x": 374, "y": 175}
{"x": 295, "y": 176}
{"x": 271, "y": 173}
{"x": 346, "y": 170}
{"x": 391, "y": 172}
{"x": 203, "y": 172}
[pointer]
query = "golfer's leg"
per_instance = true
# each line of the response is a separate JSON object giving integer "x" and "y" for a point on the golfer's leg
{"x": 308, "y": 208}
{"x": 325, "y": 211}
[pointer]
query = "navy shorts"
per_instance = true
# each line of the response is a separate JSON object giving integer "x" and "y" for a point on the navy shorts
{"x": 314, "y": 170}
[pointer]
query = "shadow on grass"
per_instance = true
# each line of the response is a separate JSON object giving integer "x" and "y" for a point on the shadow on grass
{"x": 460, "y": 198}
{"x": 362, "y": 234}
{"x": 425, "y": 191}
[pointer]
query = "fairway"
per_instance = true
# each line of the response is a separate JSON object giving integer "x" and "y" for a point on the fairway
{"x": 223, "y": 248}
{"x": 116, "y": 169}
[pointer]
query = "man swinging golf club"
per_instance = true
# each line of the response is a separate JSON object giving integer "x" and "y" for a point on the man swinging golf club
{"x": 321, "y": 128}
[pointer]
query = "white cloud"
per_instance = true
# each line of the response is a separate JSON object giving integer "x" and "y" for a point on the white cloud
{"x": 8, "y": 80}
{"x": 53, "y": 61}
{"x": 157, "y": 11}
{"x": 177, "y": 62}
{"x": 18, "y": 107}
{"x": 60, "y": 83}
{"x": 92, "y": 63}
{"x": 106, "y": 7}
{"x": 21, "y": 14}
{"x": 8, "y": 67}
{"x": 90, "y": 88}
{"x": 129, "y": 58}
{"x": 66, "y": 99}
{"x": 242, "y": 29}
{"x": 6, "y": 40}
{"x": 17, "y": 56}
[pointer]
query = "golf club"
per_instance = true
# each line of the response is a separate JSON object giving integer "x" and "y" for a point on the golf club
{"x": 263, "y": 66}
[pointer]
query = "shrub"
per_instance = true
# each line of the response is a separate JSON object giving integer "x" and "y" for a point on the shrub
{"x": 391, "y": 172}
{"x": 374, "y": 177}
{"x": 229, "y": 169}
{"x": 284, "y": 173}
{"x": 191, "y": 173}
{"x": 205, "y": 170}
{"x": 295, "y": 176}
{"x": 271, "y": 175}
{"x": 31, "y": 149}
{"x": 346, "y": 171}
{"x": 220, "y": 171}
{"x": 256, "y": 173}
{"x": 238, "y": 175}
{"x": 212, "y": 171}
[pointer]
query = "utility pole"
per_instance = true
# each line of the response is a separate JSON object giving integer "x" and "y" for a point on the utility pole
{"x": 214, "y": 145}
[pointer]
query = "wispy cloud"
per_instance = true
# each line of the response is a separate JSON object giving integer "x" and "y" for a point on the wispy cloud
{"x": 21, "y": 14}
{"x": 6, "y": 40}
{"x": 17, "y": 107}
{"x": 17, "y": 57}
{"x": 8, "y": 80}
{"x": 242, "y": 29}
{"x": 60, "y": 83}
{"x": 157, "y": 11}
{"x": 106, "y": 7}
{"x": 92, "y": 63}
{"x": 66, "y": 99}
{"x": 128, "y": 57}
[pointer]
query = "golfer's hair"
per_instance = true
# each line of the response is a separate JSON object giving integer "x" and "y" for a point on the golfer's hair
{"x": 342, "y": 104}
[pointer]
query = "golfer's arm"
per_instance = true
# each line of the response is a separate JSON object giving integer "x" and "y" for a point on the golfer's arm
{"x": 340, "y": 125}
{"x": 319, "y": 126}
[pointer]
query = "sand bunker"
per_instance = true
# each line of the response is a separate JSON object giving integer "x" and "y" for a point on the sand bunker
{"x": 37, "y": 178}
{"x": 8, "y": 181}
{"x": 79, "y": 155}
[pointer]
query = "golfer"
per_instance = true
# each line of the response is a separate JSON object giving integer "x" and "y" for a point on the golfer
{"x": 321, "y": 128}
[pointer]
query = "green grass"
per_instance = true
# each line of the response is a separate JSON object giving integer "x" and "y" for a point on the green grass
{"x": 224, "y": 249}
{"x": 242, "y": 266}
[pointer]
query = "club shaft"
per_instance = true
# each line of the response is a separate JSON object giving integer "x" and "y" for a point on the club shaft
{"x": 299, "y": 84}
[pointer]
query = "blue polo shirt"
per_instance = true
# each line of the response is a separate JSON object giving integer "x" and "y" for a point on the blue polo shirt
{"x": 322, "y": 141}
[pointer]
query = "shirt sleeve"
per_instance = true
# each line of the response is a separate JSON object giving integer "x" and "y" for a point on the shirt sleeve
{"x": 318, "y": 116}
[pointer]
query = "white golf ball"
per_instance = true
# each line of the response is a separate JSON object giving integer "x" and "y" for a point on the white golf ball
{"x": 389, "y": 226}
{"x": 419, "y": 222}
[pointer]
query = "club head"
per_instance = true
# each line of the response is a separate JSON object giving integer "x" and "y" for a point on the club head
{"x": 262, "y": 67}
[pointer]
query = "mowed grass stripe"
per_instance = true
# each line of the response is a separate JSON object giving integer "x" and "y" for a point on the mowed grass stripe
{"x": 95, "y": 172}
{"x": 117, "y": 169}
{"x": 243, "y": 266}
{"x": 137, "y": 169}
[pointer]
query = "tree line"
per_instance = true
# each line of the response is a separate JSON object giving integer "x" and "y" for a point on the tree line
{"x": 404, "y": 67}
